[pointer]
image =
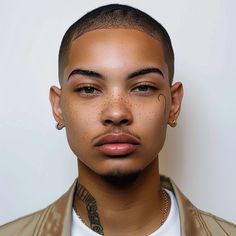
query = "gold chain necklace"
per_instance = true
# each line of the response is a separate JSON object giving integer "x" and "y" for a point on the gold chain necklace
{"x": 165, "y": 208}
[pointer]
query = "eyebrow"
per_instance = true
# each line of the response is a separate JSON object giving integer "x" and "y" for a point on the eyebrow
{"x": 97, "y": 75}
{"x": 145, "y": 71}
{"x": 83, "y": 72}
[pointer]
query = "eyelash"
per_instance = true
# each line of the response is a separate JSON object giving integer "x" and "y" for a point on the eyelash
{"x": 95, "y": 91}
{"x": 150, "y": 88}
{"x": 82, "y": 89}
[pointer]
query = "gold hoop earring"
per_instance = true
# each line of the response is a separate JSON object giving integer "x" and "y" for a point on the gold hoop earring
{"x": 59, "y": 125}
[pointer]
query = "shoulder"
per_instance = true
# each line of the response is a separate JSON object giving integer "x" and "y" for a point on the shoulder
{"x": 194, "y": 221}
{"x": 22, "y": 226}
{"x": 52, "y": 220}
{"x": 216, "y": 224}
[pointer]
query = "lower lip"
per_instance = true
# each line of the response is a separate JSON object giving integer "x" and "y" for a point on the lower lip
{"x": 117, "y": 149}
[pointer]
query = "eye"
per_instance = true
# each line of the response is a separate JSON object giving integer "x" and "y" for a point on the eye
{"x": 144, "y": 88}
{"x": 87, "y": 90}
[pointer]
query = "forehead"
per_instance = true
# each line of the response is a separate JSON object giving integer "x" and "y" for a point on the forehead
{"x": 117, "y": 49}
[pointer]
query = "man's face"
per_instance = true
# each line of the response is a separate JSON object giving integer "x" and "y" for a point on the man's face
{"x": 115, "y": 100}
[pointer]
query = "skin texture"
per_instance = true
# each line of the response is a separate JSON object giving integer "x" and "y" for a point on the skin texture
{"x": 140, "y": 105}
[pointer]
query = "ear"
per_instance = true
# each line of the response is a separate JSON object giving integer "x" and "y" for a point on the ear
{"x": 55, "y": 96}
{"x": 177, "y": 93}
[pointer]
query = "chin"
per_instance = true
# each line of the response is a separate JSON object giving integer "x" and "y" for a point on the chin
{"x": 121, "y": 178}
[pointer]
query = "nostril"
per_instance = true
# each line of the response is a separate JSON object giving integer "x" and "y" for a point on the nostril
{"x": 124, "y": 121}
{"x": 116, "y": 121}
{"x": 116, "y": 115}
{"x": 108, "y": 122}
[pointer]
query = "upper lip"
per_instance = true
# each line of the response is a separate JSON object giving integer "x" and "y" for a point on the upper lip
{"x": 117, "y": 138}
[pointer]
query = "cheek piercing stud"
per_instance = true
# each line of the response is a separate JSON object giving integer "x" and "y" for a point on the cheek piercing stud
{"x": 59, "y": 125}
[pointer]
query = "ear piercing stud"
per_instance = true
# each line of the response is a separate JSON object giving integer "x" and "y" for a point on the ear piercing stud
{"x": 59, "y": 125}
{"x": 174, "y": 123}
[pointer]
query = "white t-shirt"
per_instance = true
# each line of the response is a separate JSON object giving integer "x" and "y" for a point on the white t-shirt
{"x": 170, "y": 227}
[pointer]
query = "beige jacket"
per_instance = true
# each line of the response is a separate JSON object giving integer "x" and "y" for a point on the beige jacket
{"x": 55, "y": 220}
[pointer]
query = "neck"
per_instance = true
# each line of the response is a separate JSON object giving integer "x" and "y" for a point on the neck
{"x": 135, "y": 207}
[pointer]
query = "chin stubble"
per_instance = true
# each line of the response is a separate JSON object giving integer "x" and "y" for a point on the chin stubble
{"x": 117, "y": 179}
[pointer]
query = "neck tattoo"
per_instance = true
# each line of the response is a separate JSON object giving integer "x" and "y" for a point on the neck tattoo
{"x": 91, "y": 206}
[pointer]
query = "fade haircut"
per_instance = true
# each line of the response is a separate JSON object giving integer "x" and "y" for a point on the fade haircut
{"x": 116, "y": 16}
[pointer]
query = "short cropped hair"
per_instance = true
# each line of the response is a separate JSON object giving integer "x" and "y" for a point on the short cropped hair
{"x": 116, "y": 16}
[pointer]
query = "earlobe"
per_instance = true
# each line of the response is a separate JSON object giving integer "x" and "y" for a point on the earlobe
{"x": 55, "y": 96}
{"x": 176, "y": 100}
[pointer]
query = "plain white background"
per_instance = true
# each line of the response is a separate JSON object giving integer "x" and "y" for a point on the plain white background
{"x": 36, "y": 164}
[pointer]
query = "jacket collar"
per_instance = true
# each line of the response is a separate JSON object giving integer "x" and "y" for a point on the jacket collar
{"x": 190, "y": 221}
{"x": 57, "y": 218}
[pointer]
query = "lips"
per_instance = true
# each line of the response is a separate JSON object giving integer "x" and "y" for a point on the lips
{"x": 117, "y": 144}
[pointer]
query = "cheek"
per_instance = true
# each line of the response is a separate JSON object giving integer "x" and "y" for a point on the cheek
{"x": 152, "y": 123}
{"x": 80, "y": 120}
{"x": 155, "y": 112}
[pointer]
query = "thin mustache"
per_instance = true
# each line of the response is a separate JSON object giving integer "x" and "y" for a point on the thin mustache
{"x": 116, "y": 132}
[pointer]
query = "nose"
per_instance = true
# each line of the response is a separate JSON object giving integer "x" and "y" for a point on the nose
{"x": 117, "y": 113}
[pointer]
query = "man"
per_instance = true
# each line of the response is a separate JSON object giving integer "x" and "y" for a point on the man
{"x": 116, "y": 67}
